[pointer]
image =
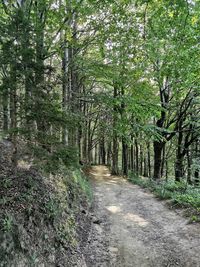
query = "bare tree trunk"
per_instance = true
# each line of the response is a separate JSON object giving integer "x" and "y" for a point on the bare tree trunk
{"x": 65, "y": 75}
{"x": 158, "y": 152}
{"x": 196, "y": 172}
{"x": 103, "y": 151}
{"x": 163, "y": 162}
{"x": 109, "y": 151}
{"x": 13, "y": 112}
{"x": 166, "y": 169}
{"x": 124, "y": 157}
{"x": 115, "y": 139}
{"x": 132, "y": 157}
{"x": 136, "y": 157}
{"x": 145, "y": 167}
{"x": 95, "y": 154}
{"x": 89, "y": 147}
{"x": 141, "y": 160}
{"x": 189, "y": 174}
{"x": 149, "y": 159}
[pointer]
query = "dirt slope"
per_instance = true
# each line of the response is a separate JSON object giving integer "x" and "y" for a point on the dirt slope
{"x": 132, "y": 228}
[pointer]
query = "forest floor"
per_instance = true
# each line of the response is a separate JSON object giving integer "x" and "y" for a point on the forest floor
{"x": 133, "y": 228}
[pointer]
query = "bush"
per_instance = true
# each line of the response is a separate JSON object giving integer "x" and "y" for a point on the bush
{"x": 187, "y": 199}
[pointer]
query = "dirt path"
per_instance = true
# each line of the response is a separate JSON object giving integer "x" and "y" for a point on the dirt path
{"x": 132, "y": 228}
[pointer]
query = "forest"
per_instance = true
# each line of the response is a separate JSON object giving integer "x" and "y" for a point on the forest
{"x": 113, "y": 83}
{"x": 102, "y": 82}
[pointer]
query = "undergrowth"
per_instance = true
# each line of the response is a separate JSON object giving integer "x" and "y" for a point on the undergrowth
{"x": 181, "y": 194}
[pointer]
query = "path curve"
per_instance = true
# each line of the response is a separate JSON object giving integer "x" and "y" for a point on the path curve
{"x": 131, "y": 228}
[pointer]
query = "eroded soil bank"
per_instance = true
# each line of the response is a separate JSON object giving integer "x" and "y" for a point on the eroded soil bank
{"x": 132, "y": 228}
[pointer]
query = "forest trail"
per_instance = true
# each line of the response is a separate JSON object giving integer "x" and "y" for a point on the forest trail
{"x": 133, "y": 228}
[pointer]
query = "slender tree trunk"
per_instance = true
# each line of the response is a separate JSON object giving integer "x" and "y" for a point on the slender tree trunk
{"x": 99, "y": 155}
{"x": 124, "y": 157}
{"x": 189, "y": 174}
{"x": 149, "y": 159}
{"x": 103, "y": 151}
{"x": 79, "y": 143}
{"x": 109, "y": 151}
{"x": 136, "y": 157}
{"x": 96, "y": 154}
{"x": 145, "y": 167}
{"x": 163, "y": 162}
{"x": 65, "y": 74}
{"x": 166, "y": 169}
{"x": 84, "y": 142}
{"x": 89, "y": 147}
{"x": 196, "y": 172}
{"x": 115, "y": 170}
{"x": 132, "y": 157}
{"x": 13, "y": 112}
{"x": 141, "y": 160}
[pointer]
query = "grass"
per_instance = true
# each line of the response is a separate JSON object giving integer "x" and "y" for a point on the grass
{"x": 180, "y": 193}
{"x": 83, "y": 182}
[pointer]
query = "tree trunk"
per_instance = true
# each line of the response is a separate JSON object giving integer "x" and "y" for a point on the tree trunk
{"x": 124, "y": 158}
{"x": 141, "y": 160}
{"x": 89, "y": 147}
{"x": 166, "y": 169}
{"x": 65, "y": 74}
{"x": 115, "y": 170}
{"x": 158, "y": 150}
{"x": 136, "y": 157}
{"x": 149, "y": 159}
{"x": 196, "y": 172}
{"x": 109, "y": 148}
{"x": 96, "y": 154}
{"x": 13, "y": 112}
{"x": 179, "y": 170}
{"x": 103, "y": 151}
{"x": 145, "y": 167}
{"x": 163, "y": 162}
{"x": 132, "y": 157}
{"x": 189, "y": 174}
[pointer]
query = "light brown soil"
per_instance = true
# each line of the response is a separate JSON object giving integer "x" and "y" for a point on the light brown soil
{"x": 132, "y": 228}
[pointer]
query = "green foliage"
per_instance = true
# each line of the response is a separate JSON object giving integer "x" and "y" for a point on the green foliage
{"x": 66, "y": 231}
{"x": 194, "y": 219}
{"x": 172, "y": 186}
{"x": 6, "y": 183}
{"x": 50, "y": 162}
{"x": 190, "y": 198}
{"x": 84, "y": 183}
{"x": 8, "y": 223}
{"x": 52, "y": 209}
{"x": 67, "y": 155}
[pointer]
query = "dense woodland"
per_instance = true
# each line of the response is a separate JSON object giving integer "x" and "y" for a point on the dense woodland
{"x": 103, "y": 82}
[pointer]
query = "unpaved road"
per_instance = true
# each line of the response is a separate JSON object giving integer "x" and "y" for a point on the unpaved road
{"x": 132, "y": 228}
